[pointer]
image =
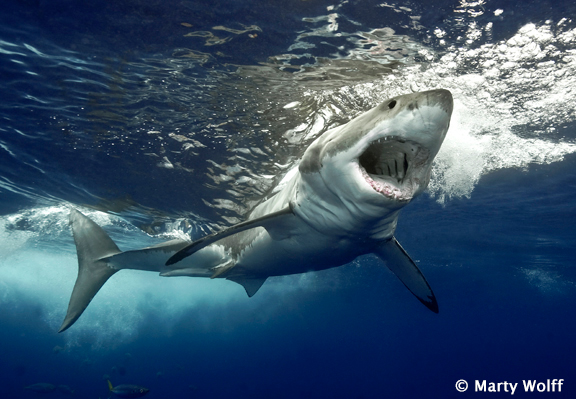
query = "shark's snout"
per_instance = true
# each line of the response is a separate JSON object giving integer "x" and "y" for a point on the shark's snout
{"x": 434, "y": 98}
{"x": 440, "y": 97}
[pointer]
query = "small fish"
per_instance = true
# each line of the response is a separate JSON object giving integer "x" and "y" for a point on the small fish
{"x": 41, "y": 387}
{"x": 65, "y": 389}
{"x": 127, "y": 391}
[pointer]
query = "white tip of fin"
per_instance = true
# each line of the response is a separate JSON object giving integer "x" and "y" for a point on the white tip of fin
{"x": 400, "y": 263}
{"x": 92, "y": 244}
{"x": 218, "y": 270}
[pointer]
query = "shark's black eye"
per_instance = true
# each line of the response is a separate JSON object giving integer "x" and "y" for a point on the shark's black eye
{"x": 392, "y": 104}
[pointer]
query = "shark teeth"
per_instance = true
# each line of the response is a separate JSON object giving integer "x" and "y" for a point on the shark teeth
{"x": 385, "y": 188}
{"x": 387, "y": 163}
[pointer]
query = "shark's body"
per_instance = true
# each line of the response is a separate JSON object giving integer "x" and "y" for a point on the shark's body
{"x": 342, "y": 201}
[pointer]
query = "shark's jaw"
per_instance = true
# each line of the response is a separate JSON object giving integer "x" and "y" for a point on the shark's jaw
{"x": 388, "y": 163}
{"x": 359, "y": 175}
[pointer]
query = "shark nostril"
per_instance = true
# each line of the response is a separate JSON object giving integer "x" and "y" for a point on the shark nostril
{"x": 392, "y": 104}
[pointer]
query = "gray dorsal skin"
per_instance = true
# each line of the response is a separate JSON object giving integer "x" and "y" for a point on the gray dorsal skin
{"x": 341, "y": 201}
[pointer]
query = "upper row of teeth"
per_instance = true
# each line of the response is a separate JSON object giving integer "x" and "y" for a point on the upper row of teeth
{"x": 392, "y": 167}
{"x": 386, "y": 138}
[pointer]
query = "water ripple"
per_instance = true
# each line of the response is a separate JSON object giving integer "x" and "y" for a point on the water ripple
{"x": 194, "y": 130}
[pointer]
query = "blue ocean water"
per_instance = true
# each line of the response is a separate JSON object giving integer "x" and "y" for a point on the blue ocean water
{"x": 164, "y": 118}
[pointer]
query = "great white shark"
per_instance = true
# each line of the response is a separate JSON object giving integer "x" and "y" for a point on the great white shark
{"x": 342, "y": 201}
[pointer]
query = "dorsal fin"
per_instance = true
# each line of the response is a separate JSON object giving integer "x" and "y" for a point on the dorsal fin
{"x": 263, "y": 221}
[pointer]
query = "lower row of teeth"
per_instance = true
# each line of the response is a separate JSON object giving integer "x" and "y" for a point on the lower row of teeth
{"x": 385, "y": 189}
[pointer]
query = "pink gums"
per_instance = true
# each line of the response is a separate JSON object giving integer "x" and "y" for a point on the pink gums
{"x": 384, "y": 188}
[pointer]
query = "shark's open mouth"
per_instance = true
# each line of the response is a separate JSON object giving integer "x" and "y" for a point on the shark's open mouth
{"x": 388, "y": 163}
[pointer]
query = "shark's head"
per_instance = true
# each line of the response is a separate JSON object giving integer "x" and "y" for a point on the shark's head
{"x": 380, "y": 160}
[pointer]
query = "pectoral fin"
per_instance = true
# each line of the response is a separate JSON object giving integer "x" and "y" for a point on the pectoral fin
{"x": 267, "y": 221}
{"x": 406, "y": 270}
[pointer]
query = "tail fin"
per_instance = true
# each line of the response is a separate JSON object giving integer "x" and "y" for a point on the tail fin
{"x": 92, "y": 244}
{"x": 110, "y": 386}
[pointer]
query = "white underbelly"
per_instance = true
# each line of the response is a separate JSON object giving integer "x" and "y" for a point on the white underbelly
{"x": 299, "y": 253}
